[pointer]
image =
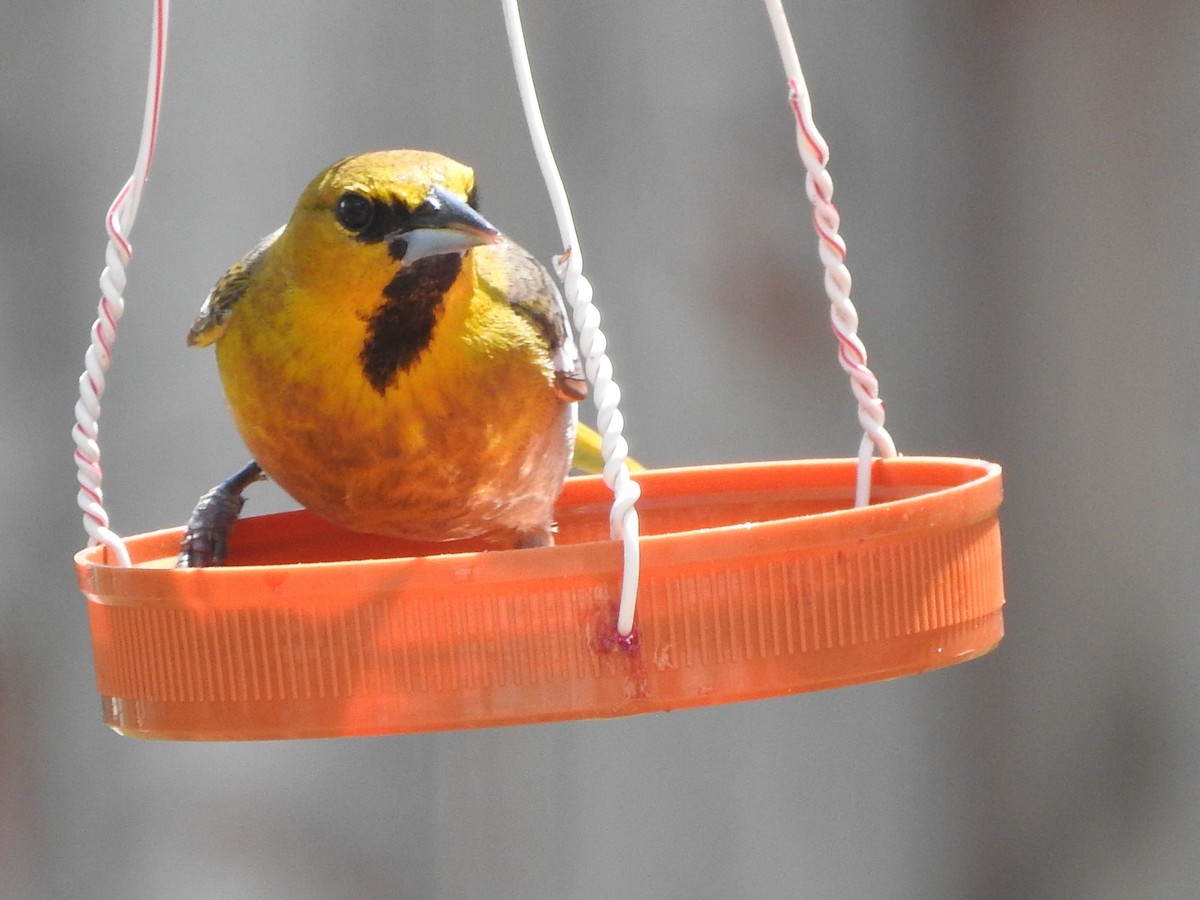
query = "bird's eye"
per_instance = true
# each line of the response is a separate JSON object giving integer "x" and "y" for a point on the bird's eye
{"x": 354, "y": 212}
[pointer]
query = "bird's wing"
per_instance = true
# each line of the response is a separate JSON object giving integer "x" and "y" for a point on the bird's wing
{"x": 532, "y": 293}
{"x": 214, "y": 312}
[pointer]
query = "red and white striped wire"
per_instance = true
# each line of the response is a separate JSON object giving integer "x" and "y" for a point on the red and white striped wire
{"x": 118, "y": 223}
{"x": 623, "y": 519}
{"x": 852, "y": 354}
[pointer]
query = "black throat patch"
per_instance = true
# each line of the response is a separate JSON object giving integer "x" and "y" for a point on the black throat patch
{"x": 403, "y": 325}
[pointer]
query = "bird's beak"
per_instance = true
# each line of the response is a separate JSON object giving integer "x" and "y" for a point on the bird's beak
{"x": 442, "y": 224}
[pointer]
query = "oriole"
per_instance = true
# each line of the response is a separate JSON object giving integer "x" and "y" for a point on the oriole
{"x": 394, "y": 363}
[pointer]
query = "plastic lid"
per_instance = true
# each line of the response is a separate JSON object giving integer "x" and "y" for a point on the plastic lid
{"x": 758, "y": 580}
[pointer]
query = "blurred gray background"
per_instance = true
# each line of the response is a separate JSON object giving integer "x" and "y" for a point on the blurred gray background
{"x": 1020, "y": 191}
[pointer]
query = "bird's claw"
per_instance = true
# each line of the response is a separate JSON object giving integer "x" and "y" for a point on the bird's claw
{"x": 206, "y": 540}
{"x": 541, "y": 537}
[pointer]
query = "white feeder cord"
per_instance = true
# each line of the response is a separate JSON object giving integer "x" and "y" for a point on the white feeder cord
{"x": 623, "y": 519}
{"x": 852, "y": 354}
{"x": 98, "y": 356}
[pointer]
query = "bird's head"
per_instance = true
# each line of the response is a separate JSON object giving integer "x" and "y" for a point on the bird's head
{"x": 355, "y": 225}
{"x": 413, "y": 203}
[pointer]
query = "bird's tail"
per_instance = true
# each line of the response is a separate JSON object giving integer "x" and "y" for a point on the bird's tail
{"x": 588, "y": 457}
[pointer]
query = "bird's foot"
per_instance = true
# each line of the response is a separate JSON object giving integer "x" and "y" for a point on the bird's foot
{"x": 543, "y": 537}
{"x": 206, "y": 538}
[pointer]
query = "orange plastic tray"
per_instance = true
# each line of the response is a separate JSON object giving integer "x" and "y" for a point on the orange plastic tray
{"x": 757, "y": 580}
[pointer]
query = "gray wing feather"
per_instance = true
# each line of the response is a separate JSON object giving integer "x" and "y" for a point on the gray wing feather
{"x": 533, "y": 293}
{"x": 214, "y": 312}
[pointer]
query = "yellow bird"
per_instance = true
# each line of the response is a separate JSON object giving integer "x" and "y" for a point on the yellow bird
{"x": 394, "y": 363}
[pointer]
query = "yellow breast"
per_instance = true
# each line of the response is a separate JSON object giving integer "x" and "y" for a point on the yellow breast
{"x": 467, "y": 437}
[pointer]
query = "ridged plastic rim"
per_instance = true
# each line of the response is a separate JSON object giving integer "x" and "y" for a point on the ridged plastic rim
{"x": 758, "y": 580}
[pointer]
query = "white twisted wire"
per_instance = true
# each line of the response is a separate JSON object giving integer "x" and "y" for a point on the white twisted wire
{"x": 852, "y": 353}
{"x": 606, "y": 395}
{"x": 118, "y": 221}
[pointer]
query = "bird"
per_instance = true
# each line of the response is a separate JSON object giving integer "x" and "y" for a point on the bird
{"x": 395, "y": 363}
